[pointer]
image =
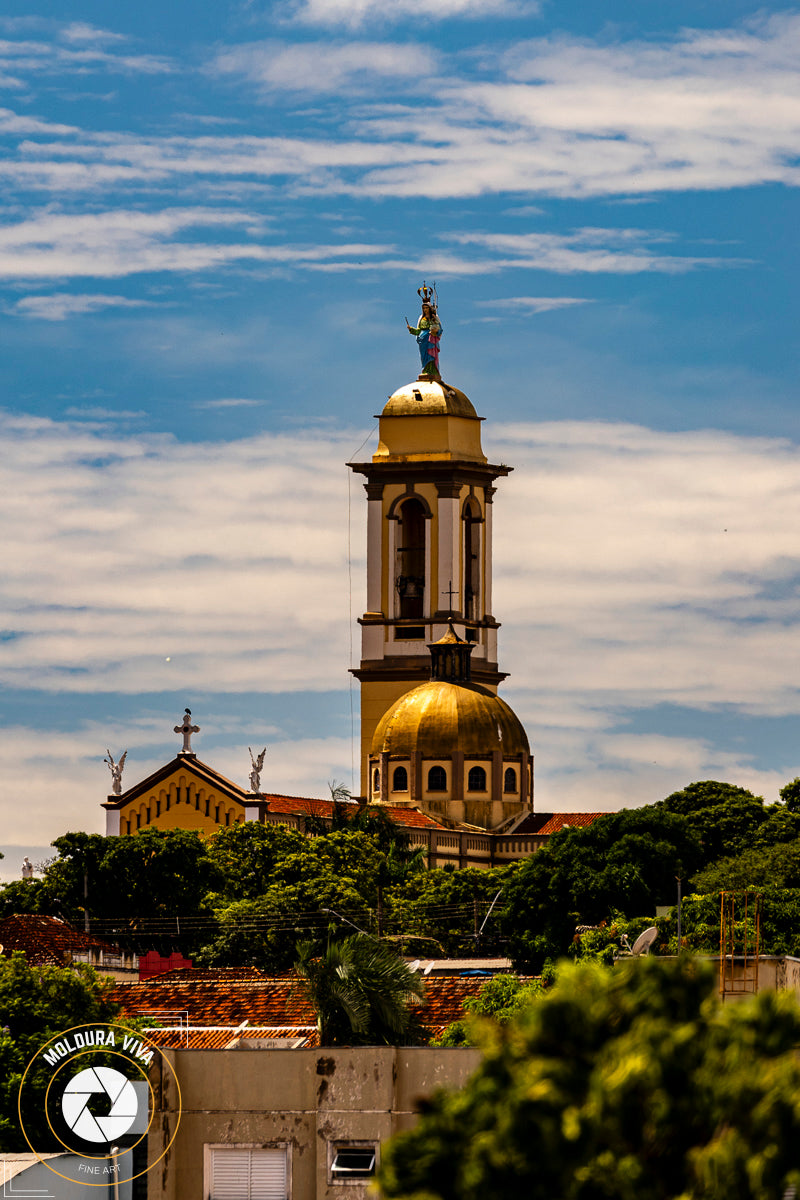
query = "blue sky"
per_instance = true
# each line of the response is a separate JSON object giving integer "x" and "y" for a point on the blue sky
{"x": 213, "y": 221}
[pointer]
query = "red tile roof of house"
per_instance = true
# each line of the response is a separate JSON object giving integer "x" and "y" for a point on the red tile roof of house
{"x": 290, "y": 805}
{"x": 46, "y": 940}
{"x": 217, "y": 1002}
{"x": 573, "y": 820}
{"x": 545, "y": 823}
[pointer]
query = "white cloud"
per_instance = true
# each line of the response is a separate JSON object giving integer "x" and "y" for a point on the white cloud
{"x": 11, "y": 122}
{"x": 61, "y": 305}
{"x": 112, "y": 244}
{"x": 554, "y": 116}
{"x": 633, "y": 569}
{"x": 353, "y": 13}
{"x": 229, "y": 402}
{"x": 120, "y": 242}
{"x": 324, "y": 66}
{"x": 81, "y": 31}
{"x": 530, "y": 305}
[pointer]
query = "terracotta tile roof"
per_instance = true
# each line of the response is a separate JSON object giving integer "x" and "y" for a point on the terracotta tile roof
{"x": 220, "y": 1038}
{"x": 573, "y": 820}
{"x": 219, "y": 1001}
{"x": 307, "y": 806}
{"x": 47, "y": 940}
{"x": 219, "y": 998}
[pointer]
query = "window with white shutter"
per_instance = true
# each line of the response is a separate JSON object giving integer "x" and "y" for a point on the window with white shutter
{"x": 246, "y": 1173}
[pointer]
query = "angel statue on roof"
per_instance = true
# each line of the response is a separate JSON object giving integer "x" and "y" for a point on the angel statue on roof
{"x": 257, "y": 764}
{"x": 427, "y": 332}
{"x": 116, "y": 771}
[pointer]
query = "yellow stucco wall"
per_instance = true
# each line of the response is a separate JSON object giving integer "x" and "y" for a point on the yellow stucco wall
{"x": 200, "y": 806}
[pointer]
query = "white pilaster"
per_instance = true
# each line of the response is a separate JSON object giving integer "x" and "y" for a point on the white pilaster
{"x": 487, "y": 555}
{"x": 112, "y": 822}
{"x": 391, "y": 593}
{"x": 374, "y": 516}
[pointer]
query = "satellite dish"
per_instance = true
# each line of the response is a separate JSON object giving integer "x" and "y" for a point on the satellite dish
{"x": 428, "y": 969}
{"x": 644, "y": 941}
{"x": 415, "y": 965}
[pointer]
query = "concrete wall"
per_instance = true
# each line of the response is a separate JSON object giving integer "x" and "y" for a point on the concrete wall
{"x": 305, "y": 1099}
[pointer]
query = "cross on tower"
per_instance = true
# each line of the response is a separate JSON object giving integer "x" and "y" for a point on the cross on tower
{"x": 187, "y": 729}
{"x": 450, "y": 591}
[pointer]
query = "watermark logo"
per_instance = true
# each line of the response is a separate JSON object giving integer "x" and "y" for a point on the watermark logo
{"x": 99, "y": 1081}
{"x": 89, "y": 1091}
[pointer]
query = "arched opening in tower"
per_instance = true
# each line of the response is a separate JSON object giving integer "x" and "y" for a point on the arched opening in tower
{"x": 410, "y": 579}
{"x": 472, "y": 559}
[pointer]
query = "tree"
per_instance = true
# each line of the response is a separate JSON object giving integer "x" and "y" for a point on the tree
{"x": 142, "y": 875}
{"x": 361, "y": 991}
{"x": 625, "y": 861}
{"x": 633, "y": 1083}
{"x": 449, "y": 907}
{"x": 776, "y": 866}
{"x": 247, "y": 856}
{"x": 500, "y": 999}
{"x": 726, "y": 818}
{"x": 790, "y": 795}
{"x": 35, "y": 1004}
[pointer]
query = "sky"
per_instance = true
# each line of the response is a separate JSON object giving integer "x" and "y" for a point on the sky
{"x": 213, "y": 222}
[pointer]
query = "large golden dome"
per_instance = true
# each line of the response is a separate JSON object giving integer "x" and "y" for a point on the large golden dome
{"x": 438, "y": 719}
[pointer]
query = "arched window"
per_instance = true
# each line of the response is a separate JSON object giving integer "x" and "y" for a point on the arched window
{"x": 400, "y": 780}
{"x": 472, "y": 561}
{"x": 510, "y": 780}
{"x": 437, "y": 779}
{"x": 376, "y": 781}
{"x": 410, "y": 574}
{"x": 476, "y": 780}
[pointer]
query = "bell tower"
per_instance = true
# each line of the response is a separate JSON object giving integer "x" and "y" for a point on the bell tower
{"x": 429, "y": 538}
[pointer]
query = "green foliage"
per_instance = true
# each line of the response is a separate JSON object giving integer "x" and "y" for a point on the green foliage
{"x": 726, "y": 818}
{"x": 449, "y": 906}
{"x": 35, "y": 1004}
{"x": 633, "y": 1084}
{"x": 129, "y": 877}
{"x": 362, "y": 992}
{"x": 756, "y": 867}
{"x": 246, "y": 856}
{"x": 499, "y": 1000}
{"x": 625, "y": 861}
{"x": 790, "y": 795}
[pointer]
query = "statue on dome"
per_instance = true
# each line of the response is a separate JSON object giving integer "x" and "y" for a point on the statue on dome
{"x": 428, "y": 332}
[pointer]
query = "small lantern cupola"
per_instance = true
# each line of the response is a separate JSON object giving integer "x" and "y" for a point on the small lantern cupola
{"x": 451, "y": 658}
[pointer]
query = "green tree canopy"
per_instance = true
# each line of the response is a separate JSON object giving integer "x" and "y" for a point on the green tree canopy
{"x": 625, "y": 861}
{"x": 35, "y": 1004}
{"x": 150, "y": 873}
{"x": 726, "y": 818}
{"x": 634, "y": 1084}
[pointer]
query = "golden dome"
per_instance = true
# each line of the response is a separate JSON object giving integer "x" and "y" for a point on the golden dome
{"x": 440, "y": 718}
{"x": 429, "y": 397}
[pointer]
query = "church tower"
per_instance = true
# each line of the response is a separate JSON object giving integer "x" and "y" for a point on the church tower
{"x": 429, "y": 540}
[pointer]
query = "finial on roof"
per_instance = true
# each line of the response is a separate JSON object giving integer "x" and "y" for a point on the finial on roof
{"x": 428, "y": 331}
{"x": 187, "y": 729}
